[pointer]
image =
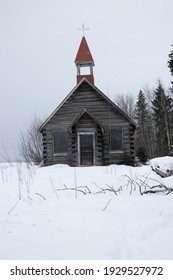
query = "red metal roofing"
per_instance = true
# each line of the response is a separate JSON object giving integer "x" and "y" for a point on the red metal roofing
{"x": 84, "y": 54}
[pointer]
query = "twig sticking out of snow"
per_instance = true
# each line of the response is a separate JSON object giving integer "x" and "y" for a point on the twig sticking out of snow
{"x": 52, "y": 184}
{"x": 41, "y": 195}
{"x": 108, "y": 188}
{"x": 14, "y": 206}
{"x": 76, "y": 189}
{"x": 106, "y": 205}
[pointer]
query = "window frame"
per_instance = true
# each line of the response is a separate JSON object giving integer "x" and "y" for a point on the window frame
{"x": 55, "y": 153}
{"x": 121, "y": 150}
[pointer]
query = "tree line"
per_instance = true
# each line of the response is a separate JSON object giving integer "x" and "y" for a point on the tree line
{"x": 153, "y": 113}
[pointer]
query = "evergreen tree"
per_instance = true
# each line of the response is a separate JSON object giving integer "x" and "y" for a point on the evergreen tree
{"x": 162, "y": 106}
{"x": 142, "y": 133}
{"x": 142, "y": 155}
{"x": 170, "y": 65}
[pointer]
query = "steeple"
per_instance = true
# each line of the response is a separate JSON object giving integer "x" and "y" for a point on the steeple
{"x": 84, "y": 62}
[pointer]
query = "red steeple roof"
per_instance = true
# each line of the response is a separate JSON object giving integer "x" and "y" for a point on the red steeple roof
{"x": 84, "y": 54}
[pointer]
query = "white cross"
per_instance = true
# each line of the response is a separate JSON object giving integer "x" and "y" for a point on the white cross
{"x": 83, "y": 29}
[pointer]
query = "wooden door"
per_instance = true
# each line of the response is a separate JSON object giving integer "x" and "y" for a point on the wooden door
{"x": 86, "y": 149}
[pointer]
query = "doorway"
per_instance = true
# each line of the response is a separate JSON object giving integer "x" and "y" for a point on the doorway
{"x": 86, "y": 148}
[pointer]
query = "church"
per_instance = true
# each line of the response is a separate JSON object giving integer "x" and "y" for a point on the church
{"x": 87, "y": 128}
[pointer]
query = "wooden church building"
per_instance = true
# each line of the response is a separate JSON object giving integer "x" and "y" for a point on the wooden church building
{"x": 87, "y": 128}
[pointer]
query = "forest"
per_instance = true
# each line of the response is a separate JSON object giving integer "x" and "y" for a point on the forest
{"x": 153, "y": 113}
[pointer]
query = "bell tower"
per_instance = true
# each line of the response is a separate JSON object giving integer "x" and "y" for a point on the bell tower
{"x": 84, "y": 62}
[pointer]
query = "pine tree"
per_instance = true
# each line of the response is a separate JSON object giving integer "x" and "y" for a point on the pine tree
{"x": 142, "y": 116}
{"x": 162, "y": 106}
{"x": 170, "y": 65}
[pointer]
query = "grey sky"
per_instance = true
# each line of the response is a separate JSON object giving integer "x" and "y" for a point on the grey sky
{"x": 129, "y": 39}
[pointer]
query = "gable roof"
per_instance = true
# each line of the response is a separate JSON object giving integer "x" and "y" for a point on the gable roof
{"x": 98, "y": 91}
{"x": 91, "y": 115}
{"x": 84, "y": 54}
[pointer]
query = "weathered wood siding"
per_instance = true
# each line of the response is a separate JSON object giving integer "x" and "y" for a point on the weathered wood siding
{"x": 86, "y": 97}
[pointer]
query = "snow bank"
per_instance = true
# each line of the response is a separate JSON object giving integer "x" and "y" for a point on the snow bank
{"x": 83, "y": 213}
{"x": 163, "y": 163}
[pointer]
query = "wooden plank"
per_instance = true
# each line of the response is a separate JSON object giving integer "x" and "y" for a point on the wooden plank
{"x": 107, "y": 115}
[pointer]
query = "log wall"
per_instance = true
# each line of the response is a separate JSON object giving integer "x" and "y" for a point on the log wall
{"x": 85, "y": 97}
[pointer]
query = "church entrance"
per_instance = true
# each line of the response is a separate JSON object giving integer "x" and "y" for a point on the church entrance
{"x": 86, "y": 147}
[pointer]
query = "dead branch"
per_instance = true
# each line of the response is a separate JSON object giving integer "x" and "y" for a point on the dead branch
{"x": 142, "y": 182}
{"x": 13, "y": 207}
{"x": 159, "y": 189}
{"x": 109, "y": 189}
{"x": 86, "y": 187}
{"x": 106, "y": 205}
{"x": 130, "y": 182}
{"x": 41, "y": 195}
{"x": 52, "y": 184}
{"x": 72, "y": 189}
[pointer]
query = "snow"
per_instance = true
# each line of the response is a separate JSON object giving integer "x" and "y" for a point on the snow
{"x": 163, "y": 163}
{"x": 84, "y": 212}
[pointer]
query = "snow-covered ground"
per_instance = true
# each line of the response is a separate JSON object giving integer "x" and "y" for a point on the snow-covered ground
{"x": 84, "y": 213}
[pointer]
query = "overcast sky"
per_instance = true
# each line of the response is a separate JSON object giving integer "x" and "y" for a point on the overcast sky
{"x": 129, "y": 40}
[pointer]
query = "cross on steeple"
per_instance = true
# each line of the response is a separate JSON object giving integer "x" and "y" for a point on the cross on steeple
{"x": 83, "y": 29}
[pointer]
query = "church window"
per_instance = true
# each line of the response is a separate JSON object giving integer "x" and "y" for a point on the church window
{"x": 60, "y": 142}
{"x": 116, "y": 139}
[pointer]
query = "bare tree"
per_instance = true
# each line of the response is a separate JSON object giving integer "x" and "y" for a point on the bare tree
{"x": 126, "y": 103}
{"x": 30, "y": 142}
{"x": 5, "y": 156}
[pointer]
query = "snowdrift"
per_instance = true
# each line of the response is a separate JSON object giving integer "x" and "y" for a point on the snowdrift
{"x": 60, "y": 212}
